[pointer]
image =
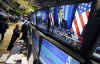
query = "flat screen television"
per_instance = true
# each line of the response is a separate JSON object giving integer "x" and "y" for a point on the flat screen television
{"x": 42, "y": 19}
{"x": 36, "y": 39}
{"x": 50, "y": 54}
{"x": 69, "y": 22}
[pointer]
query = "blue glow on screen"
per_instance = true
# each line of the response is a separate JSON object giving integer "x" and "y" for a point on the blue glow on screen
{"x": 39, "y": 14}
{"x": 34, "y": 19}
{"x": 36, "y": 41}
{"x": 68, "y": 14}
{"x": 50, "y": 54}
{"x": 44, "y": 15}
{"x": 42, "y": 20}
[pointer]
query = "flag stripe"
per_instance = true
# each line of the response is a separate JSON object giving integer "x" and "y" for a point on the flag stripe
{"x": 87, "y": 13}
{"x": 51, "y": 19}
{"x": 82, "y": 21}
{"x": 76, "y": 25}
{"x": 84, "y": 17}
{"x": 78, "y": 22}
{"x": 74, "y": 30}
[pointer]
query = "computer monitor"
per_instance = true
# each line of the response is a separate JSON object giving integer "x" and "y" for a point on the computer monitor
{"x": 69, "y": 22}
{"x": 42, "y": 19}
{"x": 36, "y": 39}
{"x": 50, "y": 54}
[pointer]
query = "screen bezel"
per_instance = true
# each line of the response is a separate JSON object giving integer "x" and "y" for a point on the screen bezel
{"x": 38, "y": 42}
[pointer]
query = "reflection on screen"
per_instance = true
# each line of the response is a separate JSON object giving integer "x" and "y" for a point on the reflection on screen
{"x": 50, "y": 54}
{"x": 41, "y": 19}
{"x": 36, "y": 41}
{"x": 68, "y": 21}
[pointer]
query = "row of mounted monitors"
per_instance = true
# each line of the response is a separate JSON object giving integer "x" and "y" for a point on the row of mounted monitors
{"x": 48, "y": 53}
{"x": 65, "y": 22}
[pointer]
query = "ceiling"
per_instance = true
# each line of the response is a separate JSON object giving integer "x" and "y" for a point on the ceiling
{"x": 28, "y": 5}
{"x": 37, "y": 4}
{"x": 44, "y": 3}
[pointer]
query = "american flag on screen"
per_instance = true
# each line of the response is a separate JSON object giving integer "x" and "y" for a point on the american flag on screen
{"x": 81, "y": 18}
{"x": 51, "y": 16}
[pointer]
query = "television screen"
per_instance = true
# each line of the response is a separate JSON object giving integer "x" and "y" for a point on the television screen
{"x": 62, "y": 19}
{"x": 35, "y": 37}
{"x": 69, "y": 21}
{"x": 41, "y": 19}
{"x": 50, "y": 54}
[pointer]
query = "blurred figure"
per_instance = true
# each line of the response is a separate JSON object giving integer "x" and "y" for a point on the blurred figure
{"x": 61, "y": 21}
{"x": 25, "y": 21}
{"x": 3, "y": 24}
{"x": 3, "y": 16}
{"x": 15, "y": 17}
{"x": 16, "y": 34}
{"x": 24, "y": 30}
{"x": 3, "y": 28}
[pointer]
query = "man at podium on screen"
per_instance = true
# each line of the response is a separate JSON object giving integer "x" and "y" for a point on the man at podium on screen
{"x": 61, "y": 21}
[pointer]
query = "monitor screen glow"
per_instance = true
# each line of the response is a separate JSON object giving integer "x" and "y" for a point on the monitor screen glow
{"x": 50, "y": 54}
{"x": 41, "y": 19}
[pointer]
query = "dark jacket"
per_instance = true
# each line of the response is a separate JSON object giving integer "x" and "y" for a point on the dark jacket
{"x": 3, "y": 27}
